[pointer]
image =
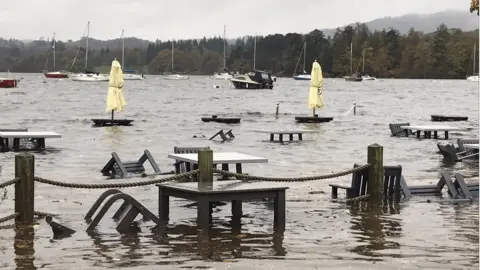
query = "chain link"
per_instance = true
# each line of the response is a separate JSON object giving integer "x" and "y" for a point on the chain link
{"x": 9, "y": 182}
{"x": 117, "y": 185}
{"x": 7, "y": 218}
{"x": 291, "y": 179}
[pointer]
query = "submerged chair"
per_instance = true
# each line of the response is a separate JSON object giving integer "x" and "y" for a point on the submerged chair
{"x": 399, "y": 132}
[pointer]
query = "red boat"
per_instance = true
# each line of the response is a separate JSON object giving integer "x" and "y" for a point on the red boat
{"x": 8, "y": 83}
{"x": 56, "y": 74}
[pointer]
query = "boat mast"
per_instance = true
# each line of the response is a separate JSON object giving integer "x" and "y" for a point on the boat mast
{"x": 172, "y": 55}
{"x": 304, "y": 54}
{"x": 86, "y": 51}
{"x": 53, "y": 51}
{"x": 363, "y": 62}
{"x": 351, "y": 57}
{"x": 474, "y": 60}
{"x": 224, "y": 41}
{"x": 254, "y": 51}
{"x": 123, "y": 48}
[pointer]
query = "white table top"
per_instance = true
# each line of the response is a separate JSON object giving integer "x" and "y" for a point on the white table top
{"x": 221, "y": 158}
{"x": 30, "y": 134}
{"x": 286, "y": 131}
{"x": 432, "y": 128}
{"x": 472, "y": 146}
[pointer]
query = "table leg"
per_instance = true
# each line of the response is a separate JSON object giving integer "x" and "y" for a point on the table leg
{"x": 195, "y": 166}
{"x": 419, "y": 133}
{"x": 3, "y": 145}
{"x": 280, "y": 138}
{"x": 435, "y": 134}
{"x": 203, "y": 213}
{"x": 163, "y": 206}
{"x": 225, "y": 167}
{"x": 290, "y": 137}
{"x": 16, "y": 144}
{"x": 279, "y": 212}
{"x": 41, "y": 143}
{"x": 239, "y": 167}
{"x": 272, "y": 137}
{"x": 236, "y": 209}
{"x": 300, "y": 136}
{"x": 188, "y": 167}
{"x": 446, "y": 135}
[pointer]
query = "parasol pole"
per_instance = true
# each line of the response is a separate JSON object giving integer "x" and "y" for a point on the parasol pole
{"x": 313, "y": 112}
{"x": 112, "y": 113}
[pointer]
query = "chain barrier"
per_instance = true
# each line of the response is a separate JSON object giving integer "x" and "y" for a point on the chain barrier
{"x": 359, "y": 198}
{"x": 7, "y": 218}
{"x": 44, "y": 214}
{"x": 116, "y": 185}
{"x": 291, "y": 179}
{"x": 9, "y": 182}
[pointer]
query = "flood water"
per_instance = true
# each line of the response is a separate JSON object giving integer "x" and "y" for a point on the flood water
{"x": 320, "y": 233}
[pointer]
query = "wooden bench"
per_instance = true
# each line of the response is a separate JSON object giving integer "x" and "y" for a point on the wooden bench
{"x": 462, "y": 189}
{"x": 116, "y": 168}
{"x": 37, "y": 137}
{"x": 452, "y": 154}
{"x": 359, "y": 184}
{"x": 399, "y": 132}
{"x": 182, "y": 166}
{"x": 290, "y": 134}
{"x": 427, "y": 190}
{"x": 225, "y": 136}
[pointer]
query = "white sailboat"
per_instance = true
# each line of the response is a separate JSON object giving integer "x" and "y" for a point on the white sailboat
{"x": 88, "y": 76}
{"x": 474, "y": 77}
{"x": 175, "y": 76}
{"x": 223, "y": 75}
{"x": 128, "y": 74}
{"x": 366, "y": 77}
{"x": 305, "y": 76}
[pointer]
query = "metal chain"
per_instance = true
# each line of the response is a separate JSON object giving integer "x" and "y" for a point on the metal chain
{"x": 359, "y": 198}
{"x": 9, "y": 182}
{"x": 118, "y": 185}
{"x": 9, "y": 226}
{"x": 44, "y": 214}
{"x": 7, "y": 218}
{"x": 292, "y": 179}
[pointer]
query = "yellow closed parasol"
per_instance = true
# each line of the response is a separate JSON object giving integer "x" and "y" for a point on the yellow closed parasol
{"x": 115, "y": 99}
{"x": 315, "y": 99}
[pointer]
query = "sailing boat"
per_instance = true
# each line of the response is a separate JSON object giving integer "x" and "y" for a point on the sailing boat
{"x": 175, "y": 76}
{"x": 474, "y": 77}
{"x": 353, "y": 77}
{"x": 365, "y": 77}
{"x": 223, "y": 75}
{"x": 54, "y": 74}
{"x": 88, "y": 76}
{"x": 128, "y": 74}
{"x": 305, "y": 76}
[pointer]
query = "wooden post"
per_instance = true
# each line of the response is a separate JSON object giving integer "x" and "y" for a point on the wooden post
{"x": 376, "y": 172}
{"x": 278, "y": 107}
{"x": 24, "y": 189}
{"x": 205, "y": 165}
{"x": 354, "y": 108}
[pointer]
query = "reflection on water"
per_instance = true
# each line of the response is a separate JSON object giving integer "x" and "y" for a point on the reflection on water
{"x": 114, "y": 135}
{"x": 24, "y": 248}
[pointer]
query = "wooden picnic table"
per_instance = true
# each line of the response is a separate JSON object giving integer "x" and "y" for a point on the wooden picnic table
{"x": 38, "y": 137}
{"x": 427, "y": 130}
{"x": 280, "y": 134}
{"x": 224, "y": 158}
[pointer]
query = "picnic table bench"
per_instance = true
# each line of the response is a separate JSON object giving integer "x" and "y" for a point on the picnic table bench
{"x": 428, "y": 129}
{"x": 224, "y": 158}
{"x": 290, "y": 133}
{"x": 37, "y": 137}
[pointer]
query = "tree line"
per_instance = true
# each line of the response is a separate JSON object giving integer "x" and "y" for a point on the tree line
{"x": 445, "y": 53}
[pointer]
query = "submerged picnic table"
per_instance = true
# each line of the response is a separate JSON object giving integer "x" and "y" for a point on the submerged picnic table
{"x": 286, "y": 132}
{"x": 224, "y": 158}
{"x": 38, "y": 137}
{"x": 427, "y": 130}
{"x": 471, "y": 146}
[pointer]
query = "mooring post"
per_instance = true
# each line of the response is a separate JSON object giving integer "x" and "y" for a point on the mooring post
{"x": 24, "y": 189}
{"x": 278, "y": 107}
{"x": 205, "y": 167}
{"x": 354, "y": 108}
{"x": 375, "y": 172}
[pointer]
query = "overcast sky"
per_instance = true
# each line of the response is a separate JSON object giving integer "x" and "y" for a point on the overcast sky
{"x": 152, "y": 19}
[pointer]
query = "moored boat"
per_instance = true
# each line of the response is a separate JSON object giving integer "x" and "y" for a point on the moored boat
{"x": 8, "y": 82}
{"x": 253, "y": 80}
{"x": 56, "y": 74}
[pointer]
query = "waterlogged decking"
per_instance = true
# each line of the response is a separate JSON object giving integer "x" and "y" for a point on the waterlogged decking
{"x": 319, "y": 233}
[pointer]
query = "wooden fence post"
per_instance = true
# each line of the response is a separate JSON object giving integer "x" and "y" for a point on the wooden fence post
{"x": 375, "y": 172}
{"x": 24, "y": 189}
{"x": 205, "y": 166}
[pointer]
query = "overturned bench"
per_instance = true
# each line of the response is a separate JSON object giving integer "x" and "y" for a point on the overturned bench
{"x": 116, "y": 168}
{"x": 225, "y": 136}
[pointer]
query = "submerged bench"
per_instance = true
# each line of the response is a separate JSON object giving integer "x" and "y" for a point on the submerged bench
{"x": 116, "y": 168}
{"x": 225, "y": 120}
{"x": 290, "y": 134}
{"x": 37, "y": 137}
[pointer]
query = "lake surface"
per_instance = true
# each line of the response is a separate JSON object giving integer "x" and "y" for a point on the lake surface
{"x": 320, "y": 234}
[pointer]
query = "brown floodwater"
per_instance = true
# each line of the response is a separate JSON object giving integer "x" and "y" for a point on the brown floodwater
{"x": 320, "y": 233}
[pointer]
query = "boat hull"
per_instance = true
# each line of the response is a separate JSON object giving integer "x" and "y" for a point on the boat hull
{"x": 89, "y": 78}
{"x": 176, "y": 77}
{"x": 246, "y": 85}
{"x": 473, "y": 78}
{"x": 55, "y": 75}
{"x": 8, "y": 83}
{"x": 302, "y": 78}
{"x": 132, "y": 77}
{"x": 223, "y": 76}
{"x": 353, "y": 79}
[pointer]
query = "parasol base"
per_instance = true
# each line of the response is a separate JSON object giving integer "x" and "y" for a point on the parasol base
{"x": 111, "y": 122}
{"x": 311, "y": 119}
{"x": 225, "y": 120}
